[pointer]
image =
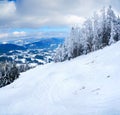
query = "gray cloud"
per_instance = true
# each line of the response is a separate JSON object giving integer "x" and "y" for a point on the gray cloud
{"x": 37, "y": 13}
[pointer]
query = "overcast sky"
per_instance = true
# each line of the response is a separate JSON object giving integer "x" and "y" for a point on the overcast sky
{"x": 34, "y": 14}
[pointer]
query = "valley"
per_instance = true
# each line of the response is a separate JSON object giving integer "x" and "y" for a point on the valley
{"x": 33, "y": 53}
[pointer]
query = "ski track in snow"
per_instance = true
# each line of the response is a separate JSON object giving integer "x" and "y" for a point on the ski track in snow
{"x": 86, "y": 85}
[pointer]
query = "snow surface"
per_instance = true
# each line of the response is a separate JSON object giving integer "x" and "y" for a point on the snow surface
{"x": 87, "y": 85}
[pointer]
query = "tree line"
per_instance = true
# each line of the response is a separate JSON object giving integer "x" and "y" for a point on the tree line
{"x": 102, "y": 29}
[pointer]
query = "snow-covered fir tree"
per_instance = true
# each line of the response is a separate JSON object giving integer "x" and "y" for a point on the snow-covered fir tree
{"x": 9, "y": 71}
{"x": 97, "y": 32}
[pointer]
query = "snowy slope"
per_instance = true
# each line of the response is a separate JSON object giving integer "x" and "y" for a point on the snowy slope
{"x": 87, "y": 85}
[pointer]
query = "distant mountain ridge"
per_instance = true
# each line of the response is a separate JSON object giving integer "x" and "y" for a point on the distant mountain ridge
{"x": 45, "y": 43}
{"x": 51, "y": 43}
{"x": 4, "y": 48}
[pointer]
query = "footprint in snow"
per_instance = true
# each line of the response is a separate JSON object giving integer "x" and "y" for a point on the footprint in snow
{"x": 77, "y": 91}
{"x": 82, "y": 88}
{"x": 108, "y": 76}
{"x": 96, "y": 91}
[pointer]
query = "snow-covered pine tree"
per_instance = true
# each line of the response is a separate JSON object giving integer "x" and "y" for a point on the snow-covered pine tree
{"x": 9, "y": 72}
{"x": 112, "y": 34}
{"x": 72, "y": 47}
{"x": 110, "y": 19}
{"x": 74, "y": 44}
{"x": 115, "y": 30}
{"x": 103, "y": 31}
{"x": 97, "y": 41}
{"x": 88, "y": 25}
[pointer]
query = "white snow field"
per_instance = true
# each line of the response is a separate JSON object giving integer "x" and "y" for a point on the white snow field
{"x": 87, "y": 85}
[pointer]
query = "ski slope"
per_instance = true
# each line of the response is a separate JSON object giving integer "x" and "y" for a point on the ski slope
{"x": 87, "y": 85}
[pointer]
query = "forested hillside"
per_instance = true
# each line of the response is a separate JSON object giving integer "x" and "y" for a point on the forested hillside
{"x": 97, "y": 32}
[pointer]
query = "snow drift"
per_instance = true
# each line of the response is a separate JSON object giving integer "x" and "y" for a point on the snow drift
{"x": 86, "y": 85}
